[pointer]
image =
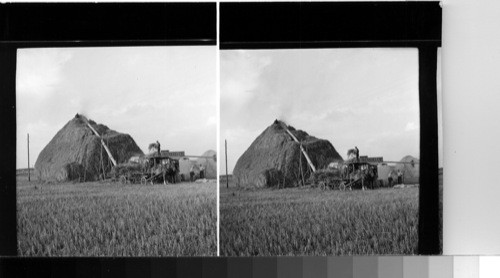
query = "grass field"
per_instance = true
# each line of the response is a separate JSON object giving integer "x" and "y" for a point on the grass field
{"x": 110, "y": 219}
{"x": 305, "y": 221}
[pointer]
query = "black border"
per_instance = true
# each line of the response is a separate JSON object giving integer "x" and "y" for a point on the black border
{"x": 101, "y": 24}
{"x": 257, "y": 25}
{"x": 357, "y": 24}
{"x": 8, "y": 220}
{"x": 81, "y": 25}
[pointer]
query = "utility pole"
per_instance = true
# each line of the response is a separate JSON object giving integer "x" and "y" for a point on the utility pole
{"x": 227, "y": 177}
{"x": 29, "y": 171}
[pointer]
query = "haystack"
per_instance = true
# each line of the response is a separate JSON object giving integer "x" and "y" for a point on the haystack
{"x": 76, "y": 153}
{"x": 275, "y": 159}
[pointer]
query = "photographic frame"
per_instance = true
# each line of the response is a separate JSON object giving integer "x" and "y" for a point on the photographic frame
{"x": 358, "y": 25}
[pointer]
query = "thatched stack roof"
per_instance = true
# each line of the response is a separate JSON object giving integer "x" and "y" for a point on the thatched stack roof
{"x": 275, "y": 159}
{"x": 76, "y": 153}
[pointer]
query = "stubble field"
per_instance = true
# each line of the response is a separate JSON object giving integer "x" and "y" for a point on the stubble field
{"x": 307, "y": 221}
{"x": 110, "y": 219}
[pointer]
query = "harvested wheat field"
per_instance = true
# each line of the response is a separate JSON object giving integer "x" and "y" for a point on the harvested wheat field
{"x": 110, "y": 219}
{"x": 307, "y": 221}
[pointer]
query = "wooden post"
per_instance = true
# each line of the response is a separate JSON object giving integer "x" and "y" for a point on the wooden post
{"x": 29, "y": 171}
{"x": 102, "y": 141}
{"x": 102, "y": 165}
{"x": 301, "y": 148}
{"x": 227, "y": 177}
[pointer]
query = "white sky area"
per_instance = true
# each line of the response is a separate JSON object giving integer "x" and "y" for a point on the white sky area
{"x": 152, "y": 93}
{"x": 352, "y": 97}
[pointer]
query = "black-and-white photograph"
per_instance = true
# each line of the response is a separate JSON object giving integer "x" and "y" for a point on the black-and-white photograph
{"x": 116, "y": 151}
{"x": 323, "y": 150}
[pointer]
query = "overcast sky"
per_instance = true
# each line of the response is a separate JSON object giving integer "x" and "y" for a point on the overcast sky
{"x": 351, "y": 97}
{"x": 152, "y": 93}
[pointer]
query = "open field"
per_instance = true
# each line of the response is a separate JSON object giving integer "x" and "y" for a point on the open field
{"x": 306, "y": 221}
{"x": 110, "y": 219}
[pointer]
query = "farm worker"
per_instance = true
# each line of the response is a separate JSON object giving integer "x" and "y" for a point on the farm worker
{"x": 177, "y": 166}
{"x": 357, "y": 153}
{"x": 389, "y": 178}
{"x": 202, "y": 172}
{"x": 400, "y": 177}
{"x": 171, "y": 170}
{"x": 191, "y": 173}
{"x": 158, "y": 146}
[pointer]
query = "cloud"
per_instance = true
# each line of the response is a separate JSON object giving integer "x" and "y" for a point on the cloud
{"x": 362, "y": 97}
{"x": 241, "y": 73}
{"x": 411, "y": 126}
{"x": 40, "y": 70}
{"x": 152, "y": 93}
{"x": 40, "y": 134}
{"x": 389, "y": 145}
{"x": 211, "y": 121}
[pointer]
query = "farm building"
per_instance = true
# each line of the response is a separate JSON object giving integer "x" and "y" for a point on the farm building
{"x": 208, "y": 161}
{"x": 383, "y": 171}
{"x": 210, "y": 164}
{"x": 411, "y": 172}
{"x": 276, "y": 159}
{"x": 79, "y": 151}
{"x": 185, "y": 164}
